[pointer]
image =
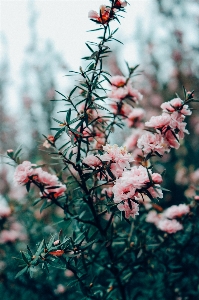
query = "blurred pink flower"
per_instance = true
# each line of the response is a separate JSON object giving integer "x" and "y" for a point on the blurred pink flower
{"x": 176, "y": 211}
{"x": 169, "y": 226}
{"x": 135, "y": 116}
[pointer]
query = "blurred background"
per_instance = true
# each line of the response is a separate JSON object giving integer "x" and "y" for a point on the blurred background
{"x": 40, "y": 41}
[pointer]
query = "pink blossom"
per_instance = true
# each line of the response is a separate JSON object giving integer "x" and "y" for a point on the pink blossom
{"x": 128, "y": 185}
{"x": 23, "y": 171}
{"x": 129, "y": 211}
{"x": 118, "y": 93}
{"x": 157, "y": 178}
{"x": 46, "y": 178}
{"x": 136, "y": 115}
{"x": 169, "y": 226}
{"x": 12, "y": 235}
{"x": 92, "y": 161}
{"x": 153, "y": 217}
{"x": 150, "y": 143}
{"x": 104, "y": 16}
{"x": 171, "y": 139}
{"x": 176, "y": 211}
{"x": 133, "y": 93}
{"x": 160, "y": 122}
{"x": 118, "y": 81}
{"x": 178, "y": 124}
{"x": 176, "y": 105}
{"x": 131, "y": 141}
{"x": 119, "y": 158}
{"x": 5, "y": 210}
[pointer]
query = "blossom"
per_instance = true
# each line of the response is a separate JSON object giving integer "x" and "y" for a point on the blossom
{"x": 131, "y": 141}
{"x": 5, "y": 210}
{"x": 130, "y": 208}
{"x": 135, "y": 116}
{"x": 176, "y": 104}
{"x": 118, "y": 93}
{"x": 150, "y": 143}
{"x": 23, "y": 172}
{"x": 134, "y": 93}
{"x": 160, "y": 122}
{"x": 105, "y": 15}
{"x": 176, "y": 211}
{"x": 169, "y": 226}
{"x": 119, "y": 158}
{"x": 171, "y": 139}
{"x": 153, "y": 217}
{"x": 118, "y": 81}
{"x": 92, "y": 161}
{"x": 132, "y": 181}
{"x": 157, "y": 178}
{"x": 177, "y": 124}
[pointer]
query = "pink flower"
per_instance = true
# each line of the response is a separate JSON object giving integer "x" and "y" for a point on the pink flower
{"x": 131, "y": 141}
{"x": 177, "y": 123}
{"x": 159, "y": 122}
{"x": 153, "y": 217}
{"x": 133, "y": 93}
{"x": 23, "y": 171}
{"x": 150, "y": 143}
{"x": 46, "y": 178}
{"x": 169, "y": 226}
{"x": 15, "y": 233}
{"x": 135, "y": 116}
{"x": 157, "y": 178}
{"x": 118, "y": 93}
{"x": 92, "y": 161}
{"x": 176, "y": 211}
{"x": 128, "y": 185}
{"x": 5, "y": 210}
{"x": 119, "y": 158}
{"x": 118, "y": 81}
{"x": 105, "y": 15}
{"x": 171, "y": 139}
{"x": 130, "y": 208}
{"x": 176, "y": 105}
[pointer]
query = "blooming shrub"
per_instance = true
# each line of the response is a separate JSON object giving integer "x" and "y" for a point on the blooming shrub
{"x": 118, "y": 239}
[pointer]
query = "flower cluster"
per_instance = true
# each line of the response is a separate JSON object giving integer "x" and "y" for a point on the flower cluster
{"x": 48, "y": 183}
{"x": 116, "y": 157}
{"x": 132, "y": 184}
{"x": 166, "y": 221}
{"x": 169, "y": 127}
